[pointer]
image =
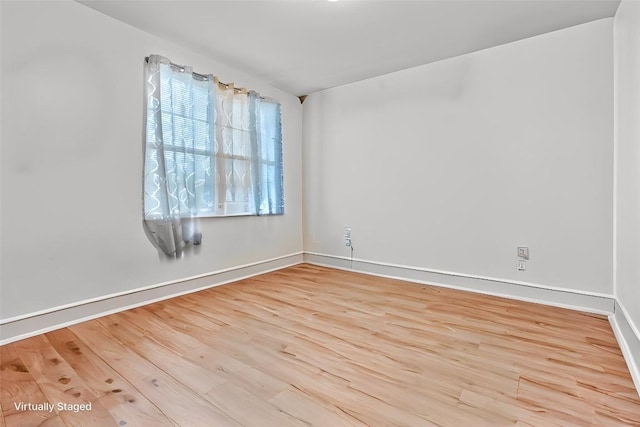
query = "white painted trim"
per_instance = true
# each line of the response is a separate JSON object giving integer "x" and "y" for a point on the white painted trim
{"x": 590, "y": 301}
{"x": 28, "y": 325}
{"x": 614, "y": 272}
{"x": 465, "y": 275}
{"x": 628, "y": 339}
{"x": 632, "y": 325}
{"x": 141, "y": 289}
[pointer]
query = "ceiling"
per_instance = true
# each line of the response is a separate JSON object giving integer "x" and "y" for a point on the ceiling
{"x": 302, "y": 46}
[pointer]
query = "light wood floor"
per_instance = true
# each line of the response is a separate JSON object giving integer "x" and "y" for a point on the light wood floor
{"x": 314, "y": 346}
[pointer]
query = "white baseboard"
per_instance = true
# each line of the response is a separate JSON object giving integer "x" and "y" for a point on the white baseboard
{"x": 571, "y": 299}
{"x": 628, "y": 338}
{"x": 28, "y": 325}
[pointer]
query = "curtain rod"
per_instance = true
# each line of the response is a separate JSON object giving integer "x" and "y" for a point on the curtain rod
{"x": 205, "y": 77}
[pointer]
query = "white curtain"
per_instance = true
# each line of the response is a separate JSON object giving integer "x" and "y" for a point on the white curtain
{"x": 233, "y": 152}
{"x": 248, "y": 153}
{"x": 178, "y": 169}
{"x": 266, "y": 144}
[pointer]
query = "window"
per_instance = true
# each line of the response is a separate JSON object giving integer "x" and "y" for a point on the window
{"x": 217, "y": 150}
{"x": 210, "y": 150}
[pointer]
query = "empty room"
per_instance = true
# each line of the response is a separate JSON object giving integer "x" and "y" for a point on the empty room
{"x": 320, "y": 213}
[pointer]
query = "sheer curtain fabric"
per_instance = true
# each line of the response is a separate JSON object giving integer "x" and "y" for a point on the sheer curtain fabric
{"x": 210, "y": 150}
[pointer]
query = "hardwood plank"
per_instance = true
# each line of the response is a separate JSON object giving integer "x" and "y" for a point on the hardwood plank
{"x": 181, "y": 404}
{"x": 24, "y": 420}
{"x": 248, "y": 409}
{"x": 118, "y": 396}
{"x": 193, "y": 376}
{"x": 225, "y": 368}
{"x": 61, "y": 385}
{"x": 309, "y": 345}
{"x": 18, "y": 385}
{"x": 306, "y": 408}
{"x": 338, "y": 369}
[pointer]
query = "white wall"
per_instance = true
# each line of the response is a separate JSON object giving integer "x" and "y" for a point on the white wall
{"x": 451, "y": 165}
{"x": 72, "y": 92}
{"x": 627, "y": 154}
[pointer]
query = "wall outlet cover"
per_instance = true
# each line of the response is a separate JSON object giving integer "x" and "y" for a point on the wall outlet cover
{"x": 523, "y": 252}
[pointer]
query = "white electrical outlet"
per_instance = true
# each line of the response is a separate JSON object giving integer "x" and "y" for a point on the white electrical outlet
{"x": 523, "y": 252}
{"x": 347, "y": 236}
{"x": 522, "y": 265}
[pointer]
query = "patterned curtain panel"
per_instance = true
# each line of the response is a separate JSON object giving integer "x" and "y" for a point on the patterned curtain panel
{"x": 266, "y": 144}
{"x": 232, "y": 149}
{"x": 178, "y": 168}
{"x": 210, "y": 150}
{"x": 248, "y": 152}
